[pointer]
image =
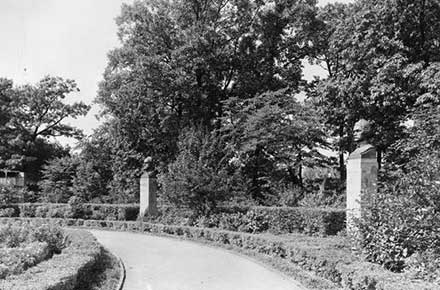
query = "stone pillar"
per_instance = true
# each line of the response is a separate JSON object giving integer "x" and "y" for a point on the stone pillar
{"x": 361, "y": 183}
{"x": 148, "y": 195}
{"x": 148, "y": 189}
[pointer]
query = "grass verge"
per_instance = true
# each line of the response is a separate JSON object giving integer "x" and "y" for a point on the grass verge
{"x": 106, "y": 275}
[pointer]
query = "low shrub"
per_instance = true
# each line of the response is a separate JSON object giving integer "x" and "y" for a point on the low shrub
{"x": 424, "y": 265}
{"x": 53, "y": 236}
{"x": 69, "y": 270}
{"x": 404, "y": 216}
{"x": 75, "y": 208}
{"x": 23, "y": 247}
{"x": 7, "y": 212}
{"x": 9, "y": 194}
{"x": 13, "y": 237}
{"x": 14, "y": 261}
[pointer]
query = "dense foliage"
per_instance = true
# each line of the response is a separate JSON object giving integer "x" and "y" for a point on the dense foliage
{"x": 198, "y": 179}
{"x": 196, "y": 64}
{"x": 30, "y": 116}
{"x": 405, "y": 215}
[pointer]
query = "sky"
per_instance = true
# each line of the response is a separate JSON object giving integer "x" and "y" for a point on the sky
{"x": 67, "y": 38}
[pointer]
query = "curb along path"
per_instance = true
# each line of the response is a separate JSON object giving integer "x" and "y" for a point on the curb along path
{"x": 157, "y": 263}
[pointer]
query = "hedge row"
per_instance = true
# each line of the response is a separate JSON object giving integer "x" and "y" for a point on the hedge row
{"x": 124, "y": 212}
{"x": 279, "y": 220}
{"x": 312, "y": 221}
{"x": 322, "y": 221}
{"x": 350, "y": 275}
{"x": 67, "y": 271}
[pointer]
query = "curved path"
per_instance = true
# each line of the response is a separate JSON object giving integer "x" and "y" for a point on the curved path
{"x": 157, "y": 263}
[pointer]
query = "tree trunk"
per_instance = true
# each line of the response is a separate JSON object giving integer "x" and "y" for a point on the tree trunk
{"x": 379, "y": 158}
{"x": 342, "y": 171}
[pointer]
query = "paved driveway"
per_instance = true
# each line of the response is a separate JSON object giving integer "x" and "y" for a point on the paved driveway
{"x": 157, "y": 263}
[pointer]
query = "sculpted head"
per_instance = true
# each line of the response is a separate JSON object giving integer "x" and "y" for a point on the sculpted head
{"x": 362, "y": 130}
{"x": 148, "y": 164}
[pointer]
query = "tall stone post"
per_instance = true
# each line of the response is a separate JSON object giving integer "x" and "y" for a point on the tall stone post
{"x": 362, "y": 170}
{"x": 148, "y": 190}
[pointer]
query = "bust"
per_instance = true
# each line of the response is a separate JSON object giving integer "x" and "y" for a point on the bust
{"x": 361, "y": 132}
{"x": 148, "y": 167}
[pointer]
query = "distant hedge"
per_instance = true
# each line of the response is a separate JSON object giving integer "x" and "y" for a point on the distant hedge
{"x": 349, "y": 275}
{"x": 67, "y": 271}
{"x": 280, "y": 220}
{"x": 123, "y": 212}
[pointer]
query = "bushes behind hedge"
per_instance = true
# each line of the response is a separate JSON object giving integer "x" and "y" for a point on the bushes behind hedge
{"x": 120, "y": 212}
{"x": 67, "y": 271}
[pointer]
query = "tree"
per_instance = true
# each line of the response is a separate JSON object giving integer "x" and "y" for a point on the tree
{"x": 58, "y": 175}
{"x": 199, "y": 179}
{"x": 274, "y": 136}
{"x": 180, "y": 60}
{"x": 94, "y": 172}
{"x": 36, "y": 113}
{"x": 38, "y": 110}
{"x": 110, "y": 168}
{"x": 402, "y": 227}
{"x": 5, "y": 100}
{"x": 6, "y": 92}
{"x": 374, "y": 52}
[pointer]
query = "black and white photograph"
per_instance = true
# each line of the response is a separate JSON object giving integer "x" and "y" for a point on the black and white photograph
{"x": 220, "y": 144}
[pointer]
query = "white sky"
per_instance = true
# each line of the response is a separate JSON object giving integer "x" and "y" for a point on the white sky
{"x": 67, "y": 38}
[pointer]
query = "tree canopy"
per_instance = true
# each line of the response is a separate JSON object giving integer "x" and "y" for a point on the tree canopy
{"x": 30, "y": 116}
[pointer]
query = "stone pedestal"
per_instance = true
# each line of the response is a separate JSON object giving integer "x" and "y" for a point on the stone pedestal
{"x": 361, "y": 183}
{"x": 148, "y": 195}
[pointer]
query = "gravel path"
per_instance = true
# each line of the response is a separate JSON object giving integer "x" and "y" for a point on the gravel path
{"x": 157, "y": 263}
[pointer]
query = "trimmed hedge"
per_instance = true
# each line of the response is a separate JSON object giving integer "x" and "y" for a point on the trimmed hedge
{"x": 348, "y": 273}
{"x": 67, "y": 271}
{"x": 280, "y": 220}
{"x": 125, "y": 212}
{"x": 321, "y": 221}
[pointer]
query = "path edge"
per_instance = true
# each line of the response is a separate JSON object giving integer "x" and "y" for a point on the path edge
{"x": 123, "y": 273}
